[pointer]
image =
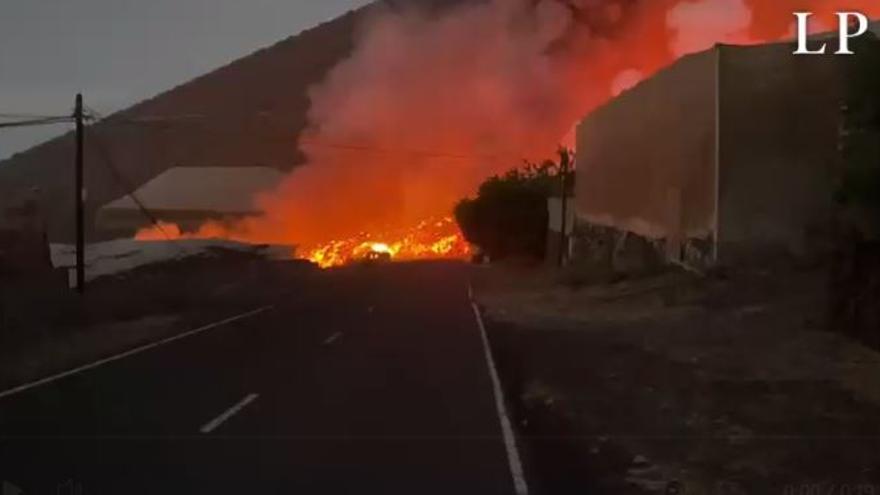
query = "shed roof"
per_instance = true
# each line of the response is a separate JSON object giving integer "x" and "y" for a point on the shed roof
{"x": 206, "y": 189}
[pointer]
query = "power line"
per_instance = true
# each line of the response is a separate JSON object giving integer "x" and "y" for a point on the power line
{"x": 427, "y": 153}
{"x": 129, "y": 189}
{"x": 406, "y": 151}
{"x": 36, "y": 122}
{"x": 159, "y": 119}
{"x": 4, "y": 115}
{"x": 97, "y": 117}
{"x": 92, "y": 114}
{"x": 145, "y": 120}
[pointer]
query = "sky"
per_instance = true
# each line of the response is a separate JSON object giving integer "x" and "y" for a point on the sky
{"x": 119, "y": 52}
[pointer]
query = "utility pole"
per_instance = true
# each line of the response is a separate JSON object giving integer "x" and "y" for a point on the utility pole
{"x": 80, "y": 208}
{"x": 564, "y": 163}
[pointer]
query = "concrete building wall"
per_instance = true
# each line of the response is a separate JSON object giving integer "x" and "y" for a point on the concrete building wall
{"x": 646, "y": 160}
{"x": 779, "y": 126}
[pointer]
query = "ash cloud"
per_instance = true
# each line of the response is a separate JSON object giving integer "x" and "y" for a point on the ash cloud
{"x": 432, "y": 101}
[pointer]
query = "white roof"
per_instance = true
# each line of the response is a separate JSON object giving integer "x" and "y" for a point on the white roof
{"x": 208, "y": 189}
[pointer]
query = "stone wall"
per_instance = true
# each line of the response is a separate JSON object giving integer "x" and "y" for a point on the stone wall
{"x": 618, "y": 251}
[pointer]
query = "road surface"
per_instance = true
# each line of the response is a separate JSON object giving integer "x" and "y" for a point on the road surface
{"x": 373, "y": 380}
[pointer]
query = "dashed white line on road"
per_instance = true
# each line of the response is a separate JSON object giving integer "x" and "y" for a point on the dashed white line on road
{"x": 333, "y": 338}
{"x": 138, "y": 350}
{"x": 232, "y": 411}
{"x": 520, "y": 485}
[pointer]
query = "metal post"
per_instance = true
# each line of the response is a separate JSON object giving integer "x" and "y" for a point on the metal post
{"x": 564, "y": 160}
{"x": 78, "y": 193}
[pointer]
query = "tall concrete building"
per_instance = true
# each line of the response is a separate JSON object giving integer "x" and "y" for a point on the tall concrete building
{"x": 723, "y": 155}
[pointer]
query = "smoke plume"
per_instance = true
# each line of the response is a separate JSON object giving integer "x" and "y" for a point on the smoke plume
{"x": 429, "y": 104}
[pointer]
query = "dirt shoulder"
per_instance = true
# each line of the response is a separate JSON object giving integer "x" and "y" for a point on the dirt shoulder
{"x": 678, "y": 382}
{"x": 49, "y": 329}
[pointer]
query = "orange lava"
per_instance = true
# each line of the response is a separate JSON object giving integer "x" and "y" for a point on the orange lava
{"x": 429, "y": 239}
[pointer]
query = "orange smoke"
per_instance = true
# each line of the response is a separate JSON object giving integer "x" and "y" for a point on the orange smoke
{"x": 429, "y": 104}
{"x": 774, "y": 20}
{"x": 163, "y": 231}
{"x": 160, "y": 232}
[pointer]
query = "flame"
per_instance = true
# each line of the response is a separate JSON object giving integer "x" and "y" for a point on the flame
{"x": 160, "y": 232}
{"x": 380, "y": 247}
{"x": 428, "y": 239}
{"x": 169, "y": 231}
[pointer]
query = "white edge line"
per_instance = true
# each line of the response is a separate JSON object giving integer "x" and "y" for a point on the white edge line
{"x": 137, "y": 350}
{"x": 232, "y": 411}
{"x": 521, "y": 487}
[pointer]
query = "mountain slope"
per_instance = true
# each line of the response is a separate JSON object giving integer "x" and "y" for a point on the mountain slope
{"x": 246, "y": 113}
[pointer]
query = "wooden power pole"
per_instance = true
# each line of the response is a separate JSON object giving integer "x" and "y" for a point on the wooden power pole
{"x": 80, "y": 207}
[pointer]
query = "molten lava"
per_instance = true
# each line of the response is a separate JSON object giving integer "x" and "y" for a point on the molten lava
{"x": 429, "y": 239}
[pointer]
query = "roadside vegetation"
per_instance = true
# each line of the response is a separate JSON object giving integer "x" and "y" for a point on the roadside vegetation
{"x": 508, "y": 217}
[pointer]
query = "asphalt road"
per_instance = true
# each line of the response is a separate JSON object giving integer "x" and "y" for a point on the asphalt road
{"x": 369, "y": 380}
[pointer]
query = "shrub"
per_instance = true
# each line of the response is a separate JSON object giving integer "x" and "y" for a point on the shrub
{"x": 508, "y": 218}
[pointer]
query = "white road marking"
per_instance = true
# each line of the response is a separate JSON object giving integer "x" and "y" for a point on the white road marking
{"x": 232, "y": 411}
{"x": 516, "y": 470}
{"x": 333, "y": 338}
{"x": 138, "y": 350}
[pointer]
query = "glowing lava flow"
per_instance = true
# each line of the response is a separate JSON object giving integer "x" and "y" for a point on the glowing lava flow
{"x": 429, "y": 239}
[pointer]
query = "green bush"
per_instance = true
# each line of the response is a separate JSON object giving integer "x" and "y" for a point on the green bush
{"x": 508, "y": 218}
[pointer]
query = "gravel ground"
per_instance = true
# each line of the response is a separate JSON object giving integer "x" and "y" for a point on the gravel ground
{"x": 692, "y": 385}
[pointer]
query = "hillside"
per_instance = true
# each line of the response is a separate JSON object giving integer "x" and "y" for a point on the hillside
{"x": 249, "y": 112}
